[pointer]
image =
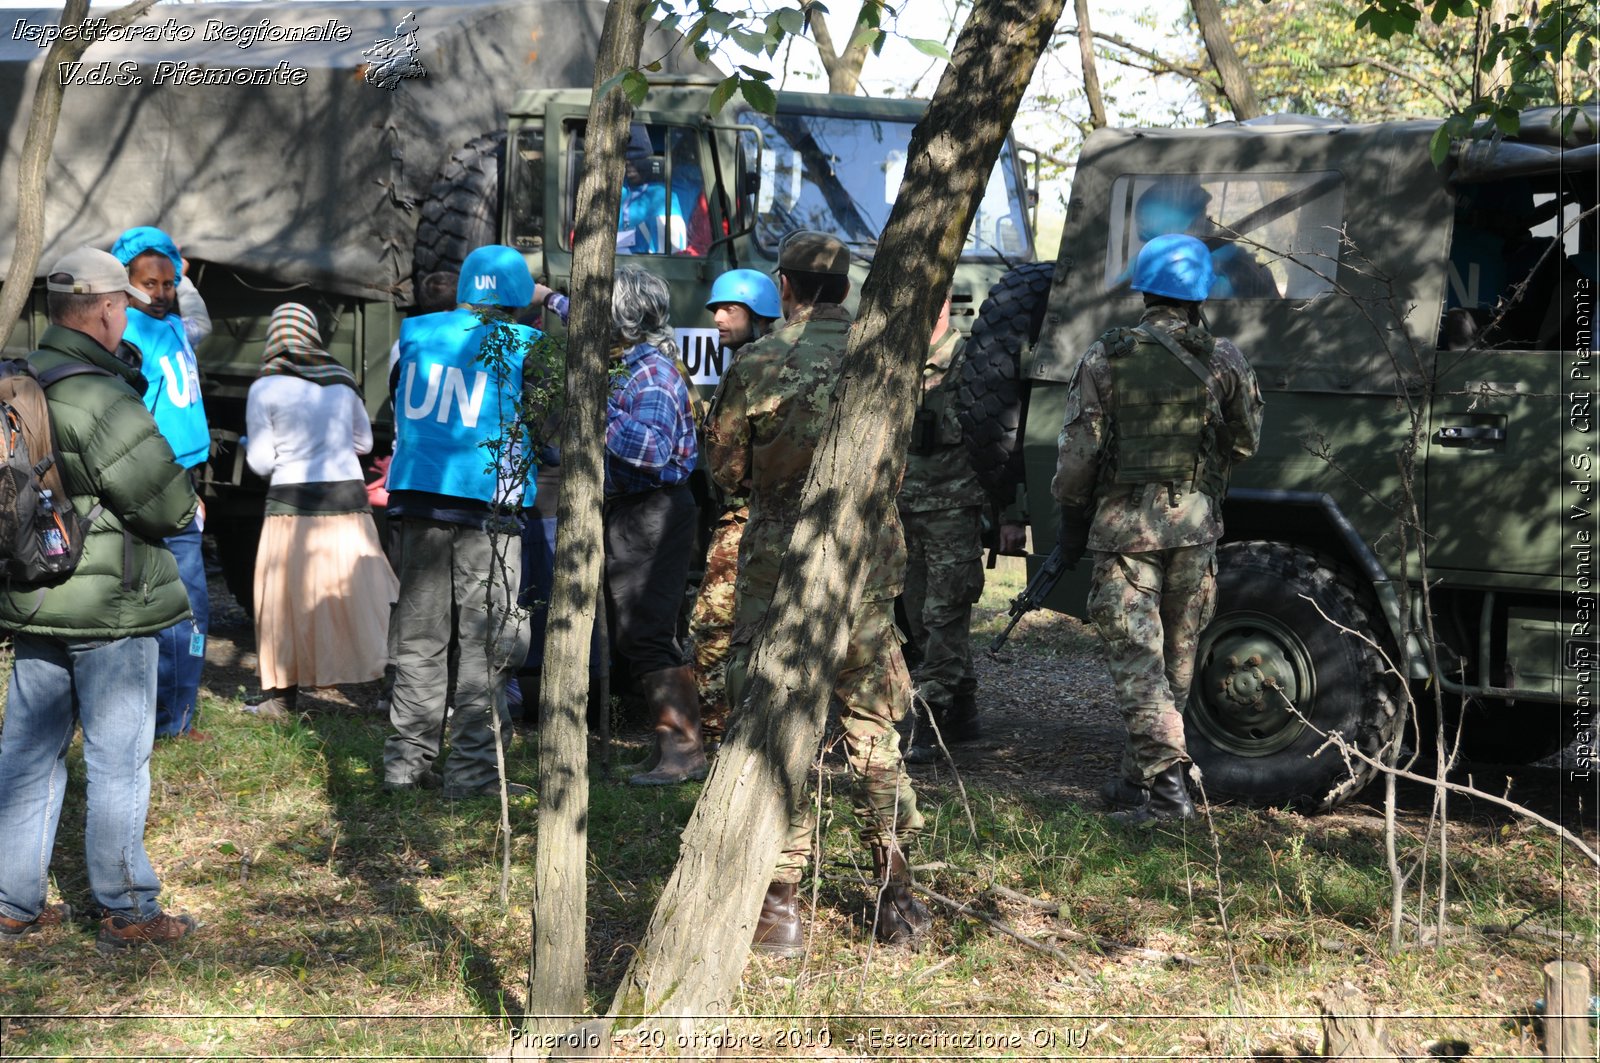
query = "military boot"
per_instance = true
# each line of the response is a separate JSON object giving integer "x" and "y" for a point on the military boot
{"x": 675, "y": 703}
{"x": 778, "y": 925}
{"x": 901, "y": 918}
{"x": 923, "y": 748}
{"x": 1121, "y": 795}
{"x": 1167, "y": 800}
{"x": 960, "y": 721}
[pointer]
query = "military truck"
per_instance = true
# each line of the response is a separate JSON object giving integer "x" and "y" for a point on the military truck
{"x": 1382, "y": 300}
{"x": 285, "y": 172}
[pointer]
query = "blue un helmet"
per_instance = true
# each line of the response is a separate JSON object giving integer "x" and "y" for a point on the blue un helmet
{"x": 495, "y": 275}
{"x": 1176, "y": 266}
{"x": 748, "y": 287}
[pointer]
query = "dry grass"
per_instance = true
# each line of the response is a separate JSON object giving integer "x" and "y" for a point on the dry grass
{"x": 344, "y": 922}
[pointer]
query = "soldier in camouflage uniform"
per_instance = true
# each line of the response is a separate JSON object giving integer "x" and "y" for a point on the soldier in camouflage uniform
{"x": 941, "y": 506}
{"x": 743, "y": 303}
{"x": 1156, "y": 417}
{"x": 761, "y": 439}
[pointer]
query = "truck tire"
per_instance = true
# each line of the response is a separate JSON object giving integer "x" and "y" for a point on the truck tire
{"x": 992, "y": 394}
{"x": 461, "y": 211}
{"x": 1269, "y": 646}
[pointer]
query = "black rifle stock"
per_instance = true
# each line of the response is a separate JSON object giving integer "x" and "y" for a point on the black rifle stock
{"x": 1033, "y": 595}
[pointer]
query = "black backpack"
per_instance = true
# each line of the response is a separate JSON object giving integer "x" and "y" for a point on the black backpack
{"x": 41, "y": 536}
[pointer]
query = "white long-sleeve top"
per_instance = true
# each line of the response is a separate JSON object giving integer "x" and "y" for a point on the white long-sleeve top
{"x": 299, "y": 432}
{"x": 192, "y": 311}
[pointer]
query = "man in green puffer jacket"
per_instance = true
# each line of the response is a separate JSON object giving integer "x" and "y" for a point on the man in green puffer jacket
{"x": 85, "y": 649}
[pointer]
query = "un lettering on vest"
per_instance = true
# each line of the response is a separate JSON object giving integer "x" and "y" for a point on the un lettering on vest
{"x": 446, "y": 392}
{"x": 703, "y": 354}
{"x": 182, "y": 379}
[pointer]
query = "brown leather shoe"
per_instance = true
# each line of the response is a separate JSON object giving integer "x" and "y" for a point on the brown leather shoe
{"x": 49, "y": 917}
{"x": 778, "y": 925}
{"x": 680, "y": 752}
{"x": 118, "y": 932}
{"x": 901, "y": 918}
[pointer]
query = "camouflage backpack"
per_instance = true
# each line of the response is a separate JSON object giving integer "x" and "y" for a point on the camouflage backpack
{"x": 41, "y": 536}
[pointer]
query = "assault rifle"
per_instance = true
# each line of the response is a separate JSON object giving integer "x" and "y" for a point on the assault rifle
{"x": 1033, "y": 595}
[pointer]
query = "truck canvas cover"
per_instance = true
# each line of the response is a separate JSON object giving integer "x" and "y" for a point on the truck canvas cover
{"x": 252, "y": 133}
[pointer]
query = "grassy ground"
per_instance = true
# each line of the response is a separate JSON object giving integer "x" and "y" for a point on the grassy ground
{"x": 340, "y": 921}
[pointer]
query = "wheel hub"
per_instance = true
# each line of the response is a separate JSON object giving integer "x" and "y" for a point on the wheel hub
{"x": 1253, "y": 670}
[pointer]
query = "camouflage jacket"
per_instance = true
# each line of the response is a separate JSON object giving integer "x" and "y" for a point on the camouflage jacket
{"x": 763, "y": 432}
{"x": 1143, "y": 517}
{"x": 940, "y": 475}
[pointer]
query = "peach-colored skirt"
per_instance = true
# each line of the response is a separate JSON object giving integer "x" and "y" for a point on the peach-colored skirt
{"x": 323, "y": 591}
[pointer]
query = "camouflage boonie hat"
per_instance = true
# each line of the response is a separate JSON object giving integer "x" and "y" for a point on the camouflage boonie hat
{"x": 808, "y": 251}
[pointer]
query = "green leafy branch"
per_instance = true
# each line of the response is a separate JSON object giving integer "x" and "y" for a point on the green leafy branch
{"x": 1558, "y": 39}
{"x": 705, "y": 27}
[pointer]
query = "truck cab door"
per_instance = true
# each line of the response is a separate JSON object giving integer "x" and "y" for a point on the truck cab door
{"x": 1498, "y": 416}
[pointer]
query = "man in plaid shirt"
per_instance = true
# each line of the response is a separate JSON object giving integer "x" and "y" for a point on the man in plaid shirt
{"x": 650, "y": 522}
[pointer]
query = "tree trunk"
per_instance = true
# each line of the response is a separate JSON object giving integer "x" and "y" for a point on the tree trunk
{"x": 558, "y": 978}
{"x": 1504, "y": 14}
{"x": 1566, "y": 1011}
{"x": 1091, "y": 73}
{"x": 843, "y": 69}
{"x": 1350, "y": 1031}
{"x": 1236, "y": 87}
{"x": 43, "y": 119}
{"x": 699, "y": 936}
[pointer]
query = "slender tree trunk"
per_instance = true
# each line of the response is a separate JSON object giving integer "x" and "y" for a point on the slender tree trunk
{"x": 1091, "y": 73}
{"x": 1502, "y": 13}
{"x": 560, "y": 902}
{"x": 43, "y": 119}
{"x": 843, "y": 68}
{"x": 1236, "y": 86}
{"x": 699, "y": 936}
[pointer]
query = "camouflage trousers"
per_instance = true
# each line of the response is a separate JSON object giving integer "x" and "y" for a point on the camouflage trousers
{"x": 711, "y": 622}
{"x": 1150, "y": 609}
{"x": 875, "y": 691}
{"x": 944, "y": 577}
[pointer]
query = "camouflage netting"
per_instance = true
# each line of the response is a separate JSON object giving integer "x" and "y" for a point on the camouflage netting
{"x": 313, "y": 184}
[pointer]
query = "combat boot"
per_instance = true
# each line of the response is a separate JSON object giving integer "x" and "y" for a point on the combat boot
{"x": 1121, "y": 795}
{"x": 778, "y": 925}
{"x": 957, "y": 722}
{"x": 901, "y": 918}
{"x": 1167, "y": 800}
{"x": 960, "y": 721}
{"x": 675, "y": 703}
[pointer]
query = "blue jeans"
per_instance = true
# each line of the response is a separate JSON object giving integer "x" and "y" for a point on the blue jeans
{"x": 178, "y": 685}
{"x": 109, "y": 687}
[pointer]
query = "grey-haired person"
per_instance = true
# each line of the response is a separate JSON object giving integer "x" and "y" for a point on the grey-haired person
{"x": 650, "y": 518}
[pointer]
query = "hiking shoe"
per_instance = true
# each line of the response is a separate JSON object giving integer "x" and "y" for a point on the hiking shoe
{"x": 49, "y": 917}
{"x": 488, "y": 789}
{"x": 119, "y": 932}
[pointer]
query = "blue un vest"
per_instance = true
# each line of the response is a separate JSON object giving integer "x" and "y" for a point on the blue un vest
{"x": 172, "y": 384}
{"x": 449, "y": 406}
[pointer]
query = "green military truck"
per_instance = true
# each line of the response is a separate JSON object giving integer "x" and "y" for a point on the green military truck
{"x": 1380, "y": 298}
{"x": 353, "y": 153}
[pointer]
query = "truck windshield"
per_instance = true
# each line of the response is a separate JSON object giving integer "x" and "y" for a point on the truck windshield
{"x": 840, "y": 174}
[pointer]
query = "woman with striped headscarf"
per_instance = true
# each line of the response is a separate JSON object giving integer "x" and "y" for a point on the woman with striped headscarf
{"x": 322, "y": 587}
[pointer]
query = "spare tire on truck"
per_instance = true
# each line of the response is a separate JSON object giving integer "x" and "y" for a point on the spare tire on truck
{"x": 461, "y": 213}
{"x": 1284, "y": 663}
{"x": 992, "y": 394}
